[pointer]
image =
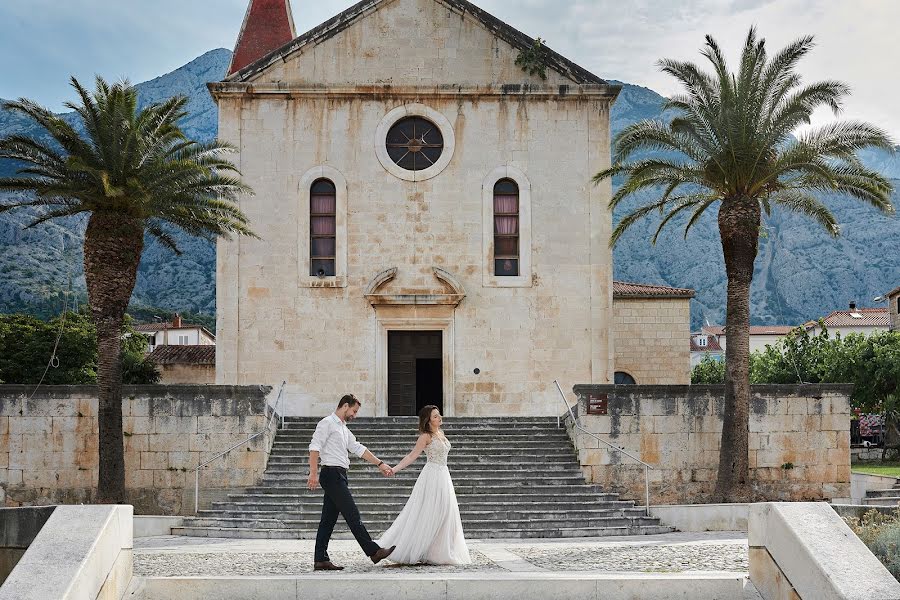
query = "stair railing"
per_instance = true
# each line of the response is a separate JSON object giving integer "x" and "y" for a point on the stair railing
{"x": 577, "y": 424}
{"x": 276, "y": 410}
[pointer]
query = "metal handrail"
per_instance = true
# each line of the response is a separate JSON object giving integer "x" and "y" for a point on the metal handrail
{"x": 275, "y": 411}
{"x": 577, "y": 424}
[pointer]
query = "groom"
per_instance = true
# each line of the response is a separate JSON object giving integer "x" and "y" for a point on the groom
{"x": 331, "y": 441}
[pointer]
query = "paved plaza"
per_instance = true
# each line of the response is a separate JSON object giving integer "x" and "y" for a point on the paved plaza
{"x": 719, "y": 552}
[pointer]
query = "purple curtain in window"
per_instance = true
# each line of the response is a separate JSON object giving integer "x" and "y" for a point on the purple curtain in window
{"x": 321, "y": 204}
{"x": 506, "y": 225}
{"x": 322, "y": 225}
{"x": 506, "y": 204}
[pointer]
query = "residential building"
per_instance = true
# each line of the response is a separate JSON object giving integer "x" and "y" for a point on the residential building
{"x": 760, "y": 335}
{"x": 175, "y": 333}
{"x": 853, "y": 320}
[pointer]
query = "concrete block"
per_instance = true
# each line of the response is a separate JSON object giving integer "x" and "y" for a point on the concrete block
{"x": 816, "y": 552}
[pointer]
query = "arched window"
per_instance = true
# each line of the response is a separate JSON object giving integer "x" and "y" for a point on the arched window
{"x": 623, "y": 378}
{"x": 322, "y": 228}
{"x": 506, "y": 228}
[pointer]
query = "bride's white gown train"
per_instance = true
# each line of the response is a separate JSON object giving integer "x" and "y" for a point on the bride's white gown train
{"x": 429, "y": 529}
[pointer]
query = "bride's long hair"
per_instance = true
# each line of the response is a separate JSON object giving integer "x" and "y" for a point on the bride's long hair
{"x": 425, "y": 418}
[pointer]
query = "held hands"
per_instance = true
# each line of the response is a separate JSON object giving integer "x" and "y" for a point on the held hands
{"x": 386, "y": 470}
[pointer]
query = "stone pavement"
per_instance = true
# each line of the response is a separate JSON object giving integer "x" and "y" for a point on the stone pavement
{"x": 712, "y": 552}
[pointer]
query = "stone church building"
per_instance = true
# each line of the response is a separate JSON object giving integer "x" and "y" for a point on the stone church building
{"x": 429, "y": 230}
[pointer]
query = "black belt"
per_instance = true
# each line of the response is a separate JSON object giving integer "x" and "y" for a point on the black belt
{"x": 338, "y": 468}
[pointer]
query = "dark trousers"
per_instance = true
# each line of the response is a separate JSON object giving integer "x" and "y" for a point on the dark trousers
{"x": 339, "y": 501}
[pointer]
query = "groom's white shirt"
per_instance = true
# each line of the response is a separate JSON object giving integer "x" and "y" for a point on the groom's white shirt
{"x": 332, "y": 440}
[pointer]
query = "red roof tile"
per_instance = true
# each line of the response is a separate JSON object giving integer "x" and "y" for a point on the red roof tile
{"x": 867, "y": 317}
{"x": 754, "y": 329}
{"x": 712, "y": 345}
{"x": 624, "y": 289}
{"x": 268, "y": 25}
{"x": 184, "y": 355}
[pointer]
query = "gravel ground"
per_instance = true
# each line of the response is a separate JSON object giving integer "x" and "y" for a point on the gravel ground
{"x": 178, "y": 564}
{"x": 671, "y": 558}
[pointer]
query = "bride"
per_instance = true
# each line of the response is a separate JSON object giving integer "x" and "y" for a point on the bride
{"x": 429, "y": 529}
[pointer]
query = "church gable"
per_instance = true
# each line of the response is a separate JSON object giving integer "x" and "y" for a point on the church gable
{"x": 410, "y": 43}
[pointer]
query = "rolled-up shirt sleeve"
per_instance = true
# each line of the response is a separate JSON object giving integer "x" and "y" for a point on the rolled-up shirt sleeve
{"x": 354, "y": 446}
{"x": 319, "y": 437}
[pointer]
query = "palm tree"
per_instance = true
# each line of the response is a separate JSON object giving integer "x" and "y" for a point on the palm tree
{"x": 732, "y": 147}
{"x": 133, "y": 172}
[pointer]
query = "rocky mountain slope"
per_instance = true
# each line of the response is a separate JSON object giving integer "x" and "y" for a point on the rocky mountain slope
{"x": 801, "y": 273}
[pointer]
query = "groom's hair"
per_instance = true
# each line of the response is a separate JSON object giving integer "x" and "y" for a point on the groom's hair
{"x": 348, "y": 399}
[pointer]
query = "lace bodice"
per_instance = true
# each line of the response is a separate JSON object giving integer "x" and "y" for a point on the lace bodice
{"x": 437, "y": 450}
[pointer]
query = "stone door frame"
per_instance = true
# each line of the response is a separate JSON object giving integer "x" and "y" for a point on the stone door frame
{"x": 411, "y": 322}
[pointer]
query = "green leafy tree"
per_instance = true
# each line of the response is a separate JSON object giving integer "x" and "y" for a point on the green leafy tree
{"x": 709, "y": 371}
{"x": 732, "y": 149}
{"x": 133, "y": 172}
{"x": 27, "y": 344}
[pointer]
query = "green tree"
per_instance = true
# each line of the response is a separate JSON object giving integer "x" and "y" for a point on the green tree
{"x": 27, "y": 343}
{"x": 709, "y": 371}
{"x": 732, "y": 148}
{"x": 133, "y": 172}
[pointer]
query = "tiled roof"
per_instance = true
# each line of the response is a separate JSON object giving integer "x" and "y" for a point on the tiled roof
{"x": 153, "y": 327}
{"x": 867, "y": 317}
{"x": 712, "y": 345}
{"x": 184, "y": 355}
{"x": 341, "y": 21}
{"x": 893, "y": 292}
{"x": 754, "y": 329}
{"x": 624, "y": 289}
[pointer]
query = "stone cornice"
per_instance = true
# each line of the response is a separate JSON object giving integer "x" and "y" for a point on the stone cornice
{"x": 224, "y": 89}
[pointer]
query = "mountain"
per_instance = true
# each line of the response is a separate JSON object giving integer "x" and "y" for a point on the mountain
{"x": 801, "y": 273}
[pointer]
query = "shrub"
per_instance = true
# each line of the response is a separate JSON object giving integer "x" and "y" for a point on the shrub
{"x": 881, "y": 533}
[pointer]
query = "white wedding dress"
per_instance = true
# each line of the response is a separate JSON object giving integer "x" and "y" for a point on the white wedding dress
{"x": 429, "y": 529}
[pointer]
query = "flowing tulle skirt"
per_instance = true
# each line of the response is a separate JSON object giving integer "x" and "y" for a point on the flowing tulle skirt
{"x": 429, "y": 529}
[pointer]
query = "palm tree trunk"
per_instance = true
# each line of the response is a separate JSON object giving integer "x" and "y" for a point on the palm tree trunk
{"x": 739, "y": 221}
{"x": 112, "y": 253}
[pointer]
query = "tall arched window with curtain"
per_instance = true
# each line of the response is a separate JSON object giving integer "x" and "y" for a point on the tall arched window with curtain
{"x": 506, "y": 228}
{"x": 322, "y": 211}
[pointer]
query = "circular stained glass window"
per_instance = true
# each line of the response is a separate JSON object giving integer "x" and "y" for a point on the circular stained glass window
{"x": 414, "y": 143}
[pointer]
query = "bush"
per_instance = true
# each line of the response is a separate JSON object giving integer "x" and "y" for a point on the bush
{"x": 881, "y": 533}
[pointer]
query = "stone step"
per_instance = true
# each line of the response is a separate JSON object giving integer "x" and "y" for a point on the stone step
{"x": 882, "y": 501}
{"x": 380, "y": 523}
{"x": 477, "y": 479}
{"x": 366, "y": 497}
{"x": 448, "y": 421}
{"x": 523, "y": 505}
{"x": 411, "y": 436}
{"x": 403, "y": 446}
{"x": 515, "y": 488}
{"x": 882, "y": 493}
{"x": 457, "y": 468}
{"x": 341, "y": 533}
{"x": 389, "y": 514}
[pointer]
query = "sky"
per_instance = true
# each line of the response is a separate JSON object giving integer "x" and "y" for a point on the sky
{"x": 46, "y": 41}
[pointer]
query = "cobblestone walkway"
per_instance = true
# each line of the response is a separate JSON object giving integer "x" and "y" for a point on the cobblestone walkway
{"x": 671, "y": 553}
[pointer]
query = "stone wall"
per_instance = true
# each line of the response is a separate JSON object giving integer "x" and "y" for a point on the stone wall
{"x": 799, "y": 440}
{"x": 187, "y": 374}
{"x": 651, "y": 339}
{"x": 48, "y": 443}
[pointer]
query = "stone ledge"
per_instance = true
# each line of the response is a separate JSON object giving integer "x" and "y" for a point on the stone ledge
{"x": 805, "y": 548}
{"x": 80, "y": 552}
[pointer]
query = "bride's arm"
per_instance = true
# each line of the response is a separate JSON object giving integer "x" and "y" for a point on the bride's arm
{"x": 414, "y": 453}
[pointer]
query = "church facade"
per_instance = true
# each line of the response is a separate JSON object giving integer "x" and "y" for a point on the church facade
{"x": 429, "y": 230}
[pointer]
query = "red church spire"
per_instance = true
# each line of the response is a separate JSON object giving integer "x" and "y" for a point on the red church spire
{"x": 268, "y": 25}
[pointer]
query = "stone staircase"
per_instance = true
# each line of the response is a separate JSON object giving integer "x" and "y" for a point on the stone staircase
{"x": 884, "y": 497}
{"x": 514, "y": 478}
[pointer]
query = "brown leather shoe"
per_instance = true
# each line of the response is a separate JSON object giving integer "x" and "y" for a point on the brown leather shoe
{"x": 382, "y": 554}
{"x": 326, "y": 566}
